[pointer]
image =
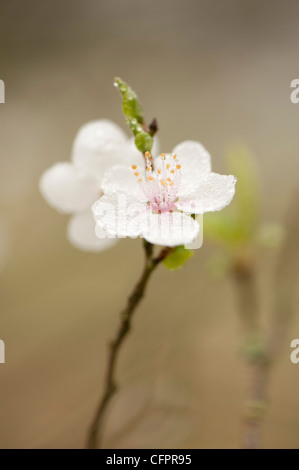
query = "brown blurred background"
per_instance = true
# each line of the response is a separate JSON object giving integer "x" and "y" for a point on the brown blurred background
{"x": 214, "y": 71}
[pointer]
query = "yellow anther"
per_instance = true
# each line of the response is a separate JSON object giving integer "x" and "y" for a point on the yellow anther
{"x": 167, "y": 166}
{"x": 178, "y": 167}
{"x": 171, "y": 184}
{"x": 172, "y": 171}
{"x": 139, "y": 179}
{"x": 148, "y": 168}
{"x": 147, "y": 154}
{"x": 163, "y": 155}
{"x": 174, "y": 157}
{"x": 162, "y": 182}
{"x": 150, "y": 178}
{"x": 168, "y": 179}
{"x": 159, "y": 171}
{"x": 134, "y": 167}
{"x": 136, "y": 173}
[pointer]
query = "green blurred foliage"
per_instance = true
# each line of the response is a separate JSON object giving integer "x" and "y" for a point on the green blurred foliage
{"x": 236, "y": 225}
{"x": 237, "y": 229}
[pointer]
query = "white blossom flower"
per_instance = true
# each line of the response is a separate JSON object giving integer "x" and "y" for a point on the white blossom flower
{"x": 72, "y": 187}
{"x": 161, "y": 198}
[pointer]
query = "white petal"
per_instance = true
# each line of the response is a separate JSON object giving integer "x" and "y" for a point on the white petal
{"x": 156, "y": 147}
{"x": 119, "y": 215}
{"x": 81, "y": 233}
{"x": 213, "y": 194}
{"x": 99, "y": 145}
{"x": 193, "y": 153}
{"x": 170, "y": 229}
{"x": 195, "y": 162}
{"x": 68, "y": 189}
{"x": 132, "y": 156}
{"x": 121, "y": 179}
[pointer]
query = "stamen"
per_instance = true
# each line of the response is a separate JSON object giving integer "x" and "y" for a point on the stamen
{"x": 160, "y": 184}
{"x": 134, "y": 167}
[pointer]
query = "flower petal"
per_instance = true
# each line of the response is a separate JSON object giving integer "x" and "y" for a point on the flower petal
{"x": 122, "y": 216}
{"x": 68, "y": 189}
{"x": 99, "y": 145}
{"x": 121, "y": 179}
{"x": 119, "y": 215}
{"x": 213, "y": 194}
{"x": 170, "y": 229}
{"x": 195, "y": 162}
{"x": 81, "y": 233}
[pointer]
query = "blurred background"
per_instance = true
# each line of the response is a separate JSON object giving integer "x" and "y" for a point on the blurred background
{"x": 213, "y": 71}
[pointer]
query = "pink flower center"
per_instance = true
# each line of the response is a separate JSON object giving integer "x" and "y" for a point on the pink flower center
{"x": 161, "y": 184}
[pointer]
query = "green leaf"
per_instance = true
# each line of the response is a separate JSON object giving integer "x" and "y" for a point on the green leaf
{"x": 133, "y": 113}
{"x": 144, "y": 142}
{"x": 177, "y": 258}
{"x": 132, "y": 108}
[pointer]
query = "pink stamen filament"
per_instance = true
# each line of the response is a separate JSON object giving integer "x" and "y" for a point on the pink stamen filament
{"x": 161, "y": 186}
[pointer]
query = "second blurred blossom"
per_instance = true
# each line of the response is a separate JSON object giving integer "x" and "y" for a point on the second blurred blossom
{"x": 72, "y": 187}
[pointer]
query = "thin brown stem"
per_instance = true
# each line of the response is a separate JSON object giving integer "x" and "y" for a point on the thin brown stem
{"x": 285, "y": 282}
{"x": 246, "y": 288}
{"x": 263, "y": 356}
{"x": 110, "y": 387}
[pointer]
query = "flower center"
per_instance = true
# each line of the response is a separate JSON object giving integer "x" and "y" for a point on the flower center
{"x": 161, "y": 184}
